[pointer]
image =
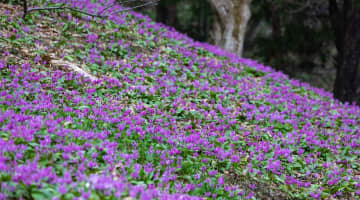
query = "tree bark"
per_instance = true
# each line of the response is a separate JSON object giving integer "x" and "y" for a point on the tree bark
{"x": 345, "y": 21}
{"x": 166, "y": 12}
{"x": 230, "y": 21}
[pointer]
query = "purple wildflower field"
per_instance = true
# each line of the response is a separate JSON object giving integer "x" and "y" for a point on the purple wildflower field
{"x": 126, "y": 108}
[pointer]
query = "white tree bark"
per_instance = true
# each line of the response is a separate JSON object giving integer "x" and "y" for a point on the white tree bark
{"x": 230, "y": 21}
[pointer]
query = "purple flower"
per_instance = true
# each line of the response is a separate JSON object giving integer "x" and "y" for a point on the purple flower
{"x": 137, "y": 168}
{"x": 212, "y": 173}
{"x": 37, "y": 59}
{"x": 91, "y": 38}
{"x": 62, "y": 189}
{"x": 221, "y": 180}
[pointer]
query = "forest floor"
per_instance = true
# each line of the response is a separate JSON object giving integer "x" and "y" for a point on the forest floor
{"x": 126, "y": 108}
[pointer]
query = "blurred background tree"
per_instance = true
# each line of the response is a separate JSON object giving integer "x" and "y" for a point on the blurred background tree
{"x": 193, "y": 18}
{"x": 230, "y": 24}
{"x": 294, "y": 37}
{"x": 345, "y": 22}
{"x": 166, "y": 12}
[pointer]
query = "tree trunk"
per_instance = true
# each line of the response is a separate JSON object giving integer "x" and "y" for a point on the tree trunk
{"x": 230, "y": 21}
{"x": 345, "y": 22}
{"x": 166, "y": 12}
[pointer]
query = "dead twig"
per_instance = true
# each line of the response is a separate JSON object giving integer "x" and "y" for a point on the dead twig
{"x": 139, "y": 6}
{"x": 108, "y": 7}
{"x": 63, "y": 8}
{"x": 98, "y": 15}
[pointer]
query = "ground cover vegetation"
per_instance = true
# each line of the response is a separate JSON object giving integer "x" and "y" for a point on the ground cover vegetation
{"x": 125, "y": 108}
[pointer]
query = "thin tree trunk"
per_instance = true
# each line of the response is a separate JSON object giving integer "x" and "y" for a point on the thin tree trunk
{"x": 172, "y": 17}
{"x": 161, "y": 15}
{"x": 166, "y": 12}
{"x": 230, "y": 22}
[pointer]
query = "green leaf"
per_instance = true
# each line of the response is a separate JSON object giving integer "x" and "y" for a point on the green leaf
{"x": 12, "y": 37}
{"x": 70, "y": 58}
{"x": 39, "y": 195}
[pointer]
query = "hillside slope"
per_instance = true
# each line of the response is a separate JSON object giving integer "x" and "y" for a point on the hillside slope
{"x": 125, "y": 108}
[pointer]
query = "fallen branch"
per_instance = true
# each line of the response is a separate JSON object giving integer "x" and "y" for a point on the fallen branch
{"x": 98, "y": 15}
{"x": 112, "y": 5}
{"x": 74, "y": 67}
{"x": 139, "y": 6}
{"x": 62, "y": 8}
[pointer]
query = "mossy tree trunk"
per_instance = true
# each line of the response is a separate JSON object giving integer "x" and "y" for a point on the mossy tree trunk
{"x": 230, "y": 22}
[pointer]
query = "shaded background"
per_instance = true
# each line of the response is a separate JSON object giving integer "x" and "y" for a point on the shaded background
{"x": 292, "y": 36}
